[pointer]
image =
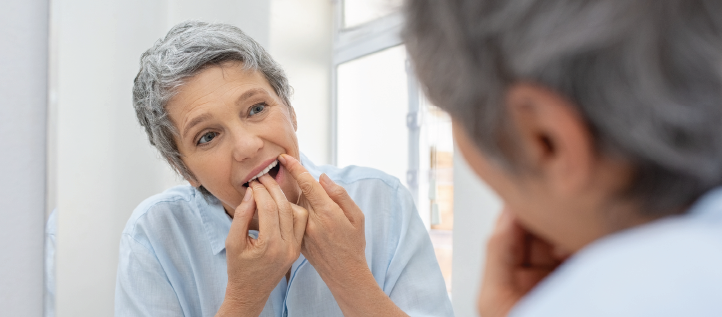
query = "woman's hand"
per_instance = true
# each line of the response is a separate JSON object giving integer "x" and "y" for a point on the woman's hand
{"x": 255, "y": 266}
{"x": 334, "y": 240}
{"x": 335, "y": 243}
{"x": 516, "y": 261}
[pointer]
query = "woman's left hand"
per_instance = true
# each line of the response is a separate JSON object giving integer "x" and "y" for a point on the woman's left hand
{"x": 334, "y": 241}
{"x": 335, "y": 244}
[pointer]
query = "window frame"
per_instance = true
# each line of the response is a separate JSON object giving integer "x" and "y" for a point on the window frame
{"x": 358, "y": 41}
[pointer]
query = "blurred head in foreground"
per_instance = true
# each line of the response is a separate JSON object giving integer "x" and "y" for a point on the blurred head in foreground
{"x": 586, "y": 117}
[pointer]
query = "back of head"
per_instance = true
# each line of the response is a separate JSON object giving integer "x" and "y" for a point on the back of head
{"x": 645, "y": 75}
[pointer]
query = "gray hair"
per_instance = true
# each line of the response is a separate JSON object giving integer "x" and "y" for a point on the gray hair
{"x": 645, "y": 75}
{"x": 188, "y": 48}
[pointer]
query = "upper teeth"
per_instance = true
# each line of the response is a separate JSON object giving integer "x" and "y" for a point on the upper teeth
{"x": 265, "y": 170}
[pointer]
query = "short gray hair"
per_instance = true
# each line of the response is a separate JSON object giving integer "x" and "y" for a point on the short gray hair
{"x": 646, "y": 76}
{"x": 188, "y": 48}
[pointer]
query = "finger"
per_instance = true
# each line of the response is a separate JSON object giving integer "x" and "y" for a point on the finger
{"x": 285, "y": 214}
{"x": 516, "y": 241}
{"x": 505, "y": 251}
{"x": 242, "y": 217}
{"x": 539, "y": 253}
{"x": 267, "y": 211}
{"x": 300, "y": 219}
{"x": 310, "y": 188}
{"x": 561, "y": 254}
{"x": 339, "y": 195}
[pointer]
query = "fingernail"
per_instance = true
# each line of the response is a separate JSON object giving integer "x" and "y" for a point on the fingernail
{"x": 326, "y": 180}
{"x": 248, "y": 195}
{"x": 282, "y": 158}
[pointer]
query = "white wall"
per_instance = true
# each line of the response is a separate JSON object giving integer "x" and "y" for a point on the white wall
{"x": 23, "y": 100}
{"x": 476, "y": 208}
{"x": 300, "y": 40}
{"x": 104, "y": 164}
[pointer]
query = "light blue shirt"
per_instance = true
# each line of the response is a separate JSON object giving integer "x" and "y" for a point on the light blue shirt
{"x": 670, "y": 267}
{"x": 173, "y": 260}
{"x": 51, "y": 229}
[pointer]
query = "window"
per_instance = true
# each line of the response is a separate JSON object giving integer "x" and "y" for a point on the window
{"x": 381, "y": 119}
{"x": 372, "y": 106}
{"x": 357, "y": 12}
{"x": 438, "y": 144}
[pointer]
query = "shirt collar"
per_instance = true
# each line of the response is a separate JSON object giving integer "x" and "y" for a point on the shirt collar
{"x": 709, "y": 205}
{"x": 216, "y": 221}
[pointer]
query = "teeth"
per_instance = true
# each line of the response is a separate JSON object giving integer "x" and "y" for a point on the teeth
{"x": 265, "y": 170}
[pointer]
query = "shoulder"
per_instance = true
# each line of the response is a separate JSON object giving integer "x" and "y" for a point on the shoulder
{"x": 51, "y": 227}
{"x": 174, "y": 205}
{"x": 353, "y": 175}
{"x": 374, "y": 191}
{"x": 666, "y": 268}
{"x": 388, "y": 206}
{"x": 384, "y": 200}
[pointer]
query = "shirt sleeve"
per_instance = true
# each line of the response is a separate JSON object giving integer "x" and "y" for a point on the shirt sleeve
{"x": 413, "y": 280}
{"x": 50, "y": 233}
{"x": 142, "y": 288}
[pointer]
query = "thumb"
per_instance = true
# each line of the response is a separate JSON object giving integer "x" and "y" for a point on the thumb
{"x": 238, "y": 234}
{"x": 505, "y": 250}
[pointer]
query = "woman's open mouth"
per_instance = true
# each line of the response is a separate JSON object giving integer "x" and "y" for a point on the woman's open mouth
{"x": 272, "y": 170}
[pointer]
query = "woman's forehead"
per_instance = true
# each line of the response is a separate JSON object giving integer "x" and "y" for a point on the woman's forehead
{"x": 222, "y": 84}
{"x": 223, "y": 78}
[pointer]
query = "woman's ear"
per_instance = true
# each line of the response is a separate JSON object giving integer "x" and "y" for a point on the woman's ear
{"x": 552, "y": 137}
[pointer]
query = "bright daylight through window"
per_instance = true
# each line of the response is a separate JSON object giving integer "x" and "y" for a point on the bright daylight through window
{"x": 357, "y": 12}
{"x": 382, "y": 120}
{"x": 372, "y": 107}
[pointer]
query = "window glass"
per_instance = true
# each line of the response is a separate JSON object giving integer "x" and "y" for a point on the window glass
{"x": 372, "y": 106}
{"x": 371, "y": 112}
{"x": 357, "y": 12}
{"x": 438, "y": 144}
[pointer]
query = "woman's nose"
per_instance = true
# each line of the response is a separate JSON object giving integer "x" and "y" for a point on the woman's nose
{"x": 245, "y": 144}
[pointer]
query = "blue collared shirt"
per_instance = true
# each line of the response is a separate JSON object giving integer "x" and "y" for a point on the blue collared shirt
{"x": 173, "y": 259}
{"x": 670, "y": 267}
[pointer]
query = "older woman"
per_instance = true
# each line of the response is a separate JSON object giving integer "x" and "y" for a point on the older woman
{"x": 599, "y": 123}
{"x": 255, "y": 233}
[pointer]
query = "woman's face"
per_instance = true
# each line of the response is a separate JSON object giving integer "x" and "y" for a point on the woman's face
{"x": 231, "y": 126}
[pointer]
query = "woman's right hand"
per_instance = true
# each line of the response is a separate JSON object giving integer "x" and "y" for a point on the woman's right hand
{"x": 255, "y": 266}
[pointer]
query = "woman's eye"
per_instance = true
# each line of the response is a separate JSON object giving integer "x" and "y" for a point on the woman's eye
{"x": 256, "y": 109}
{"x": 207, "y": 137}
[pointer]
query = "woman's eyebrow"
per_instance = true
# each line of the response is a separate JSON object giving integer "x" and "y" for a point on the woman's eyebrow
{"x": 250, "y": 93}
{"x": 195, "y": 121}
{"x": 246, "y": 95}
